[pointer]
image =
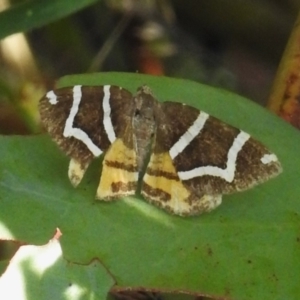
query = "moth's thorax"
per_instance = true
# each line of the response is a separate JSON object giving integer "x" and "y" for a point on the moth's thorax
{"x": 143, "y": 123}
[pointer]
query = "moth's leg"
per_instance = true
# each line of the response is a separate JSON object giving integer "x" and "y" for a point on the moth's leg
{"x": 76, "y": 170}
{"x": 119, "y": 173}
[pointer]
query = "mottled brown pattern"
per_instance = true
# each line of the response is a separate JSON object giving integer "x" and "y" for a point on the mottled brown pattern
{"x": 250, "y": 171}
{"x": 173, "y": 119}
{"x": 210, "y": 148}
{"x": 122, "y": 110}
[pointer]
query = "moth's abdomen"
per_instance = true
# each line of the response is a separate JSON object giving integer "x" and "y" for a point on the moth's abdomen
{"x": 144, "y": 126}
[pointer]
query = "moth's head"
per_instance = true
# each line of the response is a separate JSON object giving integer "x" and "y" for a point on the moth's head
{"x": 144, "y": 89}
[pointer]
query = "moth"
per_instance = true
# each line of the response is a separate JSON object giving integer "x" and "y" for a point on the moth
{"x": 182, "y": 159}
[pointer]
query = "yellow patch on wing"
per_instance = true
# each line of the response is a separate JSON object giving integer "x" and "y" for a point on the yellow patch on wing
{"x": 162, "y": 187}
{"x": 119, "y": 173}
{"x": 76, "y": 171}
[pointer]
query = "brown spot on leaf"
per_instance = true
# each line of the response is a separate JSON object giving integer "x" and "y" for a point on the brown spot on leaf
{"x": 274, "y": 277}
{"x": 209, "y": 250}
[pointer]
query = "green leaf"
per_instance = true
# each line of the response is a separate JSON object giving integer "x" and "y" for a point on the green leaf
{"x": 248, "y": 248}
{"x": 35, "y": 13}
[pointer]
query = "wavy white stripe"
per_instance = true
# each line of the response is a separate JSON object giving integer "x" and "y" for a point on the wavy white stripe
{"x": 77, "y": 133}
{"x": 228, "y": 173}
{"x": 109, "y": 129}
{"x": 189, "y": 135}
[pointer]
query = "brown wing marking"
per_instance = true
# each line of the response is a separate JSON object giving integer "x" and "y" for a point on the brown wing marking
{"x": 162, "y": 187}
{"x": 119, "y": 173}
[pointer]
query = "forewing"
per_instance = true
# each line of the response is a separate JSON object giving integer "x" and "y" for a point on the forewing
{"x": 210, "y": 156}
{"x": 85, "y": 120}
{"x": 78, "y": 121}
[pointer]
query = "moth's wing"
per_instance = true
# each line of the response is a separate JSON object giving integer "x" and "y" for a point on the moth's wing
{"x": 162, "y": 187}
{"x": 206, "y": 157}
{"x": 120, "y": 171}
{"x": 86, "y": 121}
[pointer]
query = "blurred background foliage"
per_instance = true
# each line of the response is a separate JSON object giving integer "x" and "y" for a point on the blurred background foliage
{"x": 236, "y": 45}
